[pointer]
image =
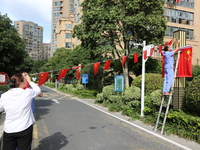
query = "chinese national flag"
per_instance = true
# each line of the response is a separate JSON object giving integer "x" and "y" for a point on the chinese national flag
{"x": 123, "y": 60}
{"x": 62, "y": 74}
{"x": 107, "y": 64}
{"x": 145, "y": 54}
{"x": 160, "y": 48}
{"x": 96, "y": 67}
{"x": 177, "y": 1}
{"x": 185, "y": 62}
{"x": 43, "y": 78}
{"x": 151, "y": 51}
{"x": 78, "y": 74}
{"x": 135, "y": 57}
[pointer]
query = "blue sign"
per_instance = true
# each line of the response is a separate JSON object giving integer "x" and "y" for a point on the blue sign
{"x": 119, "y": 83}
{"x": 84, "y": 78}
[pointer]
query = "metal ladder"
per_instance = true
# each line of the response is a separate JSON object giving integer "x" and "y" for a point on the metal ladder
{"x": 169, "y": 100}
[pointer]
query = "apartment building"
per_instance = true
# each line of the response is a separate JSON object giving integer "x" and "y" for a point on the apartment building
{"x": 33, "y": 33}
{"x": 46, "y": 51}
{"x": 184, "y": 16}
{"x": 60, "y": 9}
{"x": 180, "y": 16}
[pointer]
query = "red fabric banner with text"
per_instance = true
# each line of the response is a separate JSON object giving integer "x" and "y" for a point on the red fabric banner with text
{"x": 62, "y": 73}
{"x": 135, "y": 57}
{"x": 185, "y": 62}
{"x": 42, "y": 78}
{"x": 96, "y": 67}
{"x": 160, "y": 48}
{"x": 107, "y": 64}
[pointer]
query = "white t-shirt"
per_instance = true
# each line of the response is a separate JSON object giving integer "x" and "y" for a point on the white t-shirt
{"x": 17, "y": 105}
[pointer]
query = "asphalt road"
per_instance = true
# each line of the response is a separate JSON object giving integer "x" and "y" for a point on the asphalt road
{"x": 69, "y": 123}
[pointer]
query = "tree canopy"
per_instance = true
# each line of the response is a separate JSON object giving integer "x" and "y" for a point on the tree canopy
{"x": 109, "y": 27}
{"x": 12, "y": 49}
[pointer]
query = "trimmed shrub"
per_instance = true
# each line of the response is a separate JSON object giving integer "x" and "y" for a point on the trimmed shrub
{"x": 79, "y": 87}
{"x": 70, "y": 87}
{"x": 108, "y": 90}
{"x": 152, "y": 82}
{"x": 193, "y": 96}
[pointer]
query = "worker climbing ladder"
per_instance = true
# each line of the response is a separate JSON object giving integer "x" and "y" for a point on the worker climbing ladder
{"x": 163, "y": 103}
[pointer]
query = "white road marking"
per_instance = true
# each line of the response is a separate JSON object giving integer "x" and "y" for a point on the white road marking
{"x": 56, "y": 101}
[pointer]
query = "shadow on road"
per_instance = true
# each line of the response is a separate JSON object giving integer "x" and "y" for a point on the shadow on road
{"x": 53, "y": 142}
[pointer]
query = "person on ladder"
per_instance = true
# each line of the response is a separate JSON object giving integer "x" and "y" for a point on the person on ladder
{"x": 169, "y": 65}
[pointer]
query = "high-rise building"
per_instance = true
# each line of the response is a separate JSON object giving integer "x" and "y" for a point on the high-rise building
{"x": 60, "y": 9}
{"x": 184, "y": 15}
{"x": 180, "y": 14}
{"x": 46, "y": 51}
{"x": 33, "y": 34}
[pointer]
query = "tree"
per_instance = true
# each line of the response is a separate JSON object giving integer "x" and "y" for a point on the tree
{"x": 12, "y": 49}
{"x": 108, "y": 27}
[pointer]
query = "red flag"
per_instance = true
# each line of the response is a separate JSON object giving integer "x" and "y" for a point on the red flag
{"x": 151, "y": 51}
{"x": 107, "y": 64}
{"x": 163, "y": 63}
{"x": 96, "y": 67}
{"x": 62, "y": 74}
{"x": 135, "y": 57}
{"x": 185, "y": 62}
{"x": 145, "y": 54}
{"x": 43, "y": 78}
{"x": 77, "y": 67}
{"x": 123, "y": 60}
{"x": 168, "y": 43}
{"x": 177, "y": 1}
{"x": 78, "y": 74}
{"x": 160, "y": 48}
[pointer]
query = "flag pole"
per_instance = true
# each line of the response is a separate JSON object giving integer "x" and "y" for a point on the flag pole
{"x": 143, "y": 80}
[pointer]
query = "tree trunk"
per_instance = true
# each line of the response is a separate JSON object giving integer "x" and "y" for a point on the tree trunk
{"x": 126, "y": 75}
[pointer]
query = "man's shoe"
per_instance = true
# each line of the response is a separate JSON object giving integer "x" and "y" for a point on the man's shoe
{"x": 166, "y": 93}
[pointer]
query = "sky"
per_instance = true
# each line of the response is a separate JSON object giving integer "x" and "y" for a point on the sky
{"x": 37, "y": 11}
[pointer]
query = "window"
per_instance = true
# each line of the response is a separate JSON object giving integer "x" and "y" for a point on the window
{"x": 67, "y": 45}
{"x": 68, "y": 35}
{"x": 68, "y": 26}
{"x": 170, "y": 30}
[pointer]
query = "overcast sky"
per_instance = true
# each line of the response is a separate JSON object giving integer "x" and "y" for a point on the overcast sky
{"x": 37, "y": 11}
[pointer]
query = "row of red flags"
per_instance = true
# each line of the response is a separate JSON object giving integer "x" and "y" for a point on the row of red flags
{"x": 184, "y": 67}
{"x": 63, "y": 72}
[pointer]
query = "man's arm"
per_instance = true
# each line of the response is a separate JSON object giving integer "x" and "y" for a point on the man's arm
{"x": 176, "y": 48}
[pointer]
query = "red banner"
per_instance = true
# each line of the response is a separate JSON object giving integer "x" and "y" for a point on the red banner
{"x": 151, "y": 51}
{"x": 160, "y": 48}
{"x": 123, "y": 60}
{"x": 145, "y": 54}
{"x": 185, "y": 62}
{"x": 107, "y": 64}
{"x": 62, "y": 73}
{"x": 78, "y": 74}
{"x": 43, "y": 78}
{"x": 135, "y": 57}
{"x": 96, "y": 67}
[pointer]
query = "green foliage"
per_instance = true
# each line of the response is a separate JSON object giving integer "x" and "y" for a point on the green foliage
{"x": 152, "y": 82}
{"x": 193, "y": 96}
{"x": 108, "y": 90}
{"x": 151, "y": 66}
{"x": 4, "y": 88}
{"x": 156, "y": 97}
{"x": 12, "y": 49}
{"x": 183, "y": 125}
{"x": 195, "y": 70}
{"x": 79, "y": 87}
